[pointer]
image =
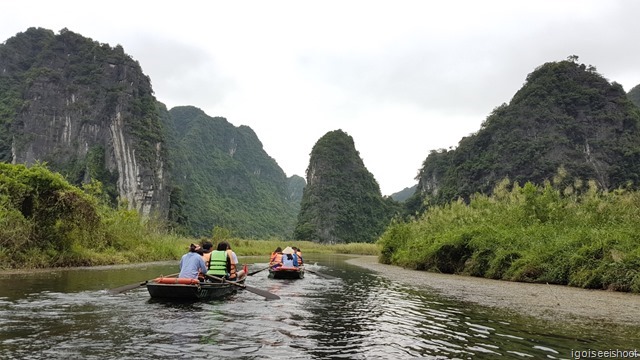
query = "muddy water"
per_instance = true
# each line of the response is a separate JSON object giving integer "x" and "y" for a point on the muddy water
{"x": 359, "y": 315}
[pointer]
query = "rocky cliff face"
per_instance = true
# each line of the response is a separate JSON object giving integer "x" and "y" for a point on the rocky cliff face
{"x": 567, "y": 124}
{"x": 227, "y": 179}
{"x": 341, "y": 202}
{"x": 87, "y": 110}
{"x": 295, "y": 187}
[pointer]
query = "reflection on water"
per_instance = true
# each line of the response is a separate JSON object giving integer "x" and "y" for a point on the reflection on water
{"x": 69, "y": 314}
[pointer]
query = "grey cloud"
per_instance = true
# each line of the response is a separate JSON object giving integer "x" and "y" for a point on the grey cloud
{"x": 471, "y": 73}
{"x": 183, "y": 73}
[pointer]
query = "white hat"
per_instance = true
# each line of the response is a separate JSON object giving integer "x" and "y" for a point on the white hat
{"x": 288, "y": 250}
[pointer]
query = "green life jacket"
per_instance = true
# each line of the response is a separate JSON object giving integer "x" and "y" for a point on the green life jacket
{"x": 218, "y": 263}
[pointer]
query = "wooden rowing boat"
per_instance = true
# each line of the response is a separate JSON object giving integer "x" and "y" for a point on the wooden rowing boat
{"x": 287, "y": 272}
{"x": 192, "y": 289}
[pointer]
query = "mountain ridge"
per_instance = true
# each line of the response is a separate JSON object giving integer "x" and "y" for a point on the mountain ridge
{"x": 227, "y": 178}
{"x": 565, "y": 118}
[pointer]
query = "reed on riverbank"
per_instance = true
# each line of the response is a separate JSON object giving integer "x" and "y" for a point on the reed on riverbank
{"x": 46, "y": 222}
{"x": 266, "y": 247}
{"x": 577, "y": 236}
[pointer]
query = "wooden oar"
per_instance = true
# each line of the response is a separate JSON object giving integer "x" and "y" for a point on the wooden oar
{"x": 124, "y": 288}
{"x": 257, "y": 271}
{"x": 321, "y": 274}
{"x": 266, "y": 294}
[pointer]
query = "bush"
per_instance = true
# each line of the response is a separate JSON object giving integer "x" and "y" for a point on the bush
{"x": 585, "y": 238}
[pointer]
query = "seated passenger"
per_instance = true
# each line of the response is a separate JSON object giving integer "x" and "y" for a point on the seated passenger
{"x": 220, "y": 261}
{"x": 276, "y": 258}
{"x": 299, "y": 255}
{"x": 191, "y": 264}
{"x": 234, "y": 272}
{"x": 207, "y": 247}
{"x": 289, "y": 257}
{"x": 287, "y": 260}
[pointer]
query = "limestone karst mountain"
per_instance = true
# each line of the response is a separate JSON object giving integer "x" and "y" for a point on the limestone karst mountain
{"x": 566, "y": 120}
{"x": 341, "y": 202}
{"x": 87, "y": 110}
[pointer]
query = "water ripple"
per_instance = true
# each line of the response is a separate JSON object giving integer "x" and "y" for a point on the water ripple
{"x": 359, "y": 316}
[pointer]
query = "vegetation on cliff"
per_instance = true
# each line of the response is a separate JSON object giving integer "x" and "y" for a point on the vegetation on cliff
{"x": 545, "y": 191}
{"x": 341, "y": 202}
{"x": 404, "y": 194}
{"x": 227, "y": 179}
{"x": 76, "y": 104}
{"x": 634, "y": 95}
{"x": 566, "y": 115}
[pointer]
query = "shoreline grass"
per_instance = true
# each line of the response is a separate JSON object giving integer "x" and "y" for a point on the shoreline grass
{"x": 535, "y": 234}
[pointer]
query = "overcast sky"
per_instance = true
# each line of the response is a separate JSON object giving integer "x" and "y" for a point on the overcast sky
{"x": 401, "y": 77}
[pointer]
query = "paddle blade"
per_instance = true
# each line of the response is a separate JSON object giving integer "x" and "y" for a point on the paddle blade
{"x": 321, "y": 274}
{"x": 257, "y": 271}
{"x": 266, "y": 294}
{"x": 124, "y": 288}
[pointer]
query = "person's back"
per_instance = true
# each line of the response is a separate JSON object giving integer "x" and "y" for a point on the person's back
{"x": 287, "y": 260}
{"x": 219, "y": 264}
{"x": 206, "y": 248}
{"x": 276, "y": 258}
{"x": 233, "y": 271}
{"x": 236, "y": 273}
{"x": 191, "y": 264}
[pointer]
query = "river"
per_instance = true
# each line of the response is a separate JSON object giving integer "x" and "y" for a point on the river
{"x": 70, "y": 314}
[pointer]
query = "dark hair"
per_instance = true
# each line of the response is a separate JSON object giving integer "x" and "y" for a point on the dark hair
{"x": 222, "y": 246}
{"x": 207, "y": 245}
{"x": 193, "y": 248}
{"x": 289, "y": 257}
{"x": 278, "y": 249}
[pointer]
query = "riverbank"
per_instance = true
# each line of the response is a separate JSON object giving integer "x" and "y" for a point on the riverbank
{"x": 546, "y": 302}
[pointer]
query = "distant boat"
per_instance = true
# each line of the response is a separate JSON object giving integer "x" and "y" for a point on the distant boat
{"x": 287, "y": 272}
{"x": 192, "y": 289}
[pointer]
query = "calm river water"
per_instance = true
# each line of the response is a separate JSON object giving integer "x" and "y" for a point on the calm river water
{"x": 69, "y": 314}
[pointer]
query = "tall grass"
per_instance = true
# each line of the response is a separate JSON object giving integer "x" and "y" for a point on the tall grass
{"x": 532, "y": 233}
{"x": 47, "y": 222}
{"x": 124, "y": 237}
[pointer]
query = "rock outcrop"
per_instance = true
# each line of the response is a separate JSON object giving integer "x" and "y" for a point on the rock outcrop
{"x": 87, "y": 110}
{"x": 342, "y": 202}
{"x": 227, "y": 179}
{"x": 567, "y": 124}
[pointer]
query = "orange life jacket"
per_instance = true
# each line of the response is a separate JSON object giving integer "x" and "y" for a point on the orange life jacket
{"x": 276, "y": 259}
{"x": 299, "y": 257}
